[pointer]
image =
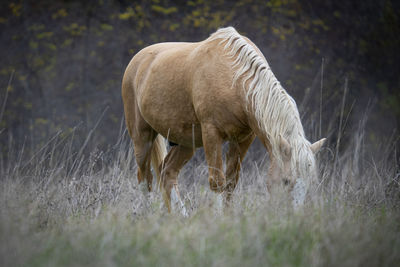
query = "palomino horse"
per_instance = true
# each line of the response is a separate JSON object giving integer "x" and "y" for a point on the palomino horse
{"x": 205, "y": 93}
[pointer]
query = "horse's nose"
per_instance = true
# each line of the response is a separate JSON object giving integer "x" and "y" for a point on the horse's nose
{"x": 299, "y": 193}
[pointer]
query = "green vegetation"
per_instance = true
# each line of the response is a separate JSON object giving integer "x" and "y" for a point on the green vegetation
{"x": 259, "y": 237}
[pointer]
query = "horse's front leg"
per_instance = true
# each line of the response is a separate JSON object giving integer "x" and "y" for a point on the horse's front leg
{"x": 212, "y": 143}
{"x": 234, "y": 158}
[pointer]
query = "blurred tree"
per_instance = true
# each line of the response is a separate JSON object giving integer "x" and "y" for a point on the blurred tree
{"x": 68, "y": 57}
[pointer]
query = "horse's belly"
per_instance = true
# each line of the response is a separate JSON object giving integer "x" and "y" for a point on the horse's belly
{"x": 182, "y": 131}
{"x": 170, "y": 113}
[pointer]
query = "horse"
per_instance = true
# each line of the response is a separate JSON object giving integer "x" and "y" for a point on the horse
{"x": 203, "y": 94}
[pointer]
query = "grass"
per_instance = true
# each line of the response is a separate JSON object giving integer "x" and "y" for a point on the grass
{"x": 61, "y": 207}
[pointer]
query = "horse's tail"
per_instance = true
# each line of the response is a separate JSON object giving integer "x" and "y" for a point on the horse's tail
{"x": 158, "y": 153}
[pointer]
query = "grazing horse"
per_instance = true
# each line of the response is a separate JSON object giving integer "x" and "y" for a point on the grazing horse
{"x": 203, "y": 94}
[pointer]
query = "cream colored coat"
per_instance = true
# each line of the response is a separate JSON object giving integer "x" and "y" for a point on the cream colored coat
{"x": 188, "y": 93}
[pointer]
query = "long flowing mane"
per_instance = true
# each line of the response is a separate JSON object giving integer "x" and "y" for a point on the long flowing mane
{"x": 274, "y": 109}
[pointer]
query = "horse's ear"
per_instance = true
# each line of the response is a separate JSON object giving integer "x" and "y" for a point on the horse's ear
{"x": 285, "y": 148}
{"x": 317, "y": 145}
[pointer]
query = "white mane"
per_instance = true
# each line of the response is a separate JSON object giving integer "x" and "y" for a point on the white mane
{"x": 274, "y": 109}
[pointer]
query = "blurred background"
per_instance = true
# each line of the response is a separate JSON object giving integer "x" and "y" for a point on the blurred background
{"x": 62, "y": 62}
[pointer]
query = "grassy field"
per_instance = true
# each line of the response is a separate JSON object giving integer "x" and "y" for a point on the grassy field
{"x": 61, "y": 207}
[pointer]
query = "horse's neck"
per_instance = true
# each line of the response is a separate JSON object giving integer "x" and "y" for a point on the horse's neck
{"x": 260, "y": 133}
{"x": 285, "y": 122}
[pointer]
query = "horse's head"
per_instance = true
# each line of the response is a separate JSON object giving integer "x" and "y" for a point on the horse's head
{"x": 296, "y": 170}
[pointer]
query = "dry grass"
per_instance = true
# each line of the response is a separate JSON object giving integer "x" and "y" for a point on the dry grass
{"x": 62, "y": 207}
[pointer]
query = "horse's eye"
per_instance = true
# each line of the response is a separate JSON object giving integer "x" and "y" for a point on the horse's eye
{"x": 286, "y": 181}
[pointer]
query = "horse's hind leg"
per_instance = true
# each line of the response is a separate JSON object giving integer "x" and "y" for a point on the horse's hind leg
{"x": 234, "y": 158}
{"x": 143, "y": 143}
{"x": 143, "y": 138}
{"x": 173, "y": 162}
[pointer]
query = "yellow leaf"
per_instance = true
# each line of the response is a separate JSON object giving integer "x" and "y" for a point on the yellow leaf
{"x": 28, "y": 105}
{"x": 67, "y": 42}
{"x": 106, "y": 27}
{"x": 44, "y": 35}
{"x": 127, "y": 14}
{"x": 60, "y": 13}
{"x": 33, "y": 44}
{"x": 16, "y": 9}
{"x": 173, "y": 27}
{"x": 41, "y": 121}
{"x": 164, "y": 10}
{"x": 69, "y": 87}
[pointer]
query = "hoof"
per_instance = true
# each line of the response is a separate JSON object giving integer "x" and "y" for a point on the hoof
{"x": 216, "y": 186}
{"x": 219, "y": 204}
{"x": 144, "y": 188}
{"x": 177, "y": 205}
